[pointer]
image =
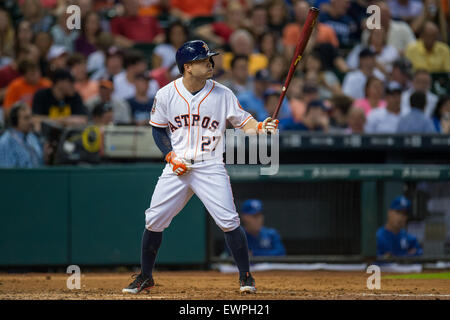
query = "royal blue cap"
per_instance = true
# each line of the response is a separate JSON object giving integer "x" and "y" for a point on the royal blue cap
{"x": 251, "y": 206}
{"x": 401, "y": 203}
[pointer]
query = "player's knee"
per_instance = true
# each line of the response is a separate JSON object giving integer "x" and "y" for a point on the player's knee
{"x": 153, "y": 224}
{"x": 229, "y": 225}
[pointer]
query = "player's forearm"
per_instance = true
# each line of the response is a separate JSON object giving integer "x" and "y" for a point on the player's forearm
{"x": 162, "y": 140}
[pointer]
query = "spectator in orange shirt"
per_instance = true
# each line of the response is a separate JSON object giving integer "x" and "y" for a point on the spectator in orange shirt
{"x": 188, "y": 9}
{"x": 23, "y": 88}
{"x": 291, "y": 33}
{"x": 132, "y": 28}
{"x": 86, "y": 88}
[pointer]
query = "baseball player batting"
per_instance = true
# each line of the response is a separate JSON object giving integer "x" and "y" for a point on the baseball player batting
{"x": 188, "y": 119}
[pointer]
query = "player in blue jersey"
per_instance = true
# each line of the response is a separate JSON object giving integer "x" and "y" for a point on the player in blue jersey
{"x": 392, "y": 238}
{"x": 262, "y": 241}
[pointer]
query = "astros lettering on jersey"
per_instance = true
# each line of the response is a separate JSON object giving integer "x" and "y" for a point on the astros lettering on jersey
{"x": 197, "y": 122}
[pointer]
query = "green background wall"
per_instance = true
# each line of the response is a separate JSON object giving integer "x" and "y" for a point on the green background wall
{"x": 90, "y": 216}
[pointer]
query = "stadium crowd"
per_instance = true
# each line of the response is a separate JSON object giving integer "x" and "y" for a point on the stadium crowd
{"x": 392, "y": 79}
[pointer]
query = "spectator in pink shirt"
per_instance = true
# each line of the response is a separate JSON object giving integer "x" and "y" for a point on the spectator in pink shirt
{"x": 374, "y": 96}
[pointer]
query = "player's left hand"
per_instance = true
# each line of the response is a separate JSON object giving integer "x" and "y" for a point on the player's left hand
{"x": 268, "y": 125}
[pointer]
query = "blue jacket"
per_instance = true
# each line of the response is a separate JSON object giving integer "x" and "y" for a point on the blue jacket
{"x": 267, "y": 243}
{"x": 396, "y": 244}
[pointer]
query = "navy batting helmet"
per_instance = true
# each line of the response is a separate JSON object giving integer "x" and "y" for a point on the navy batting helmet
{"x": 192, "y": 51}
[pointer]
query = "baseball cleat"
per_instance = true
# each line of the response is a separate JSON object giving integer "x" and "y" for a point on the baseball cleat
{"x": 141, "y": 282}
{"x": 247, "y": 284}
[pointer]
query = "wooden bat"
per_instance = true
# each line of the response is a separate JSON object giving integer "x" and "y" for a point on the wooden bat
{"x": 302, "y": 42}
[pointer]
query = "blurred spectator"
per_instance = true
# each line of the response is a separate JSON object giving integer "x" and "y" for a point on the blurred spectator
{"x": 188, "y": 9}
{"x": 296, "y": 98}
{"x": 141, "y": 104}
{"x": 315, "y": 119}
{"x": 355, "y": 81}
{"x": 86, "y": 42}
{"x": 356, "y": 120}
{"x": 432, "y": 11}
{"x": 336, "y": 17}
{"x": 277, "y": 16}
{"x": 120, "y": 108}
{"x": 7, "y": 35}
{"x": 151, "y": 7}
{"x": 132, "y": 28}
{"x": 262, "y": 241}
{"x": 24, "y": 35}
{"x": 43, "y": 41}
{"x": 134, "y": 63}
{"x": 416, "y": 121}
{"x": 164, "y": 54}
{"x": 19, "y": 146}
{"x": 11, "y": 71}
{"x": 399, "y": 33}
{"x": 219, "y": 32}
{"x": 291, "y": 33}
{"x": 385, "y": 54}
{"x": 385, "y": 120}
{"x": 102, "y": 114}
{"x": 402, "y": 72}
{"x": 239, "y": 80}
{"x": 23, "y": 88}
{"x": 392, "y": 238}
{"x": 267, "y": 44}
{"x": 340, "y": 107}
{"x": 39, "y": 19}
{"x": 60, "y": 103}
{"x": 441, "y": 116}
{"x": 57, "y": 59}
{"x": 278, "y": 69}
{"x": 62, "y": 35}
{"x": 374, "y": 96}
{"x": 427, "y": 53}
{"x": 242, "y": 43}
{"x": 107, "y": 61}
{"x": 405, "y": 10}
{"x": 258, "y": 20}
{"x": 421, "y": 82}
{"x": 253, "y": 100}
{"x": 86, "y": 87}
{"x": 326, "y": 81}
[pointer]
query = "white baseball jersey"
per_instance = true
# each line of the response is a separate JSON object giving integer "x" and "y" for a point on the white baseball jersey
{"x": 196, "y": 124}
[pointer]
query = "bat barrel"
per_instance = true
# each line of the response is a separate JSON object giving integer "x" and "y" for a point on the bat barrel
{"x": 302, "y": 42}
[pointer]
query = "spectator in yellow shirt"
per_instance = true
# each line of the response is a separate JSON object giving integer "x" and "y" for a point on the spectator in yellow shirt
{"x": 428, "y": 53}
{"x": 242, "y": 43}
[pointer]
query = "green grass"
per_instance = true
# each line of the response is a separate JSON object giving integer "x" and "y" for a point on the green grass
{"x": 442, "y": 275}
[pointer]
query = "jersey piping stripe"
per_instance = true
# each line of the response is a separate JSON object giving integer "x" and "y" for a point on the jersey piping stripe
{"x": 189, "y": 112}
{"x": 158, "y": 124}
{"x": 240, "y": 105}
{"x": 198, "y": 128}
{"x": 245, "y": 121}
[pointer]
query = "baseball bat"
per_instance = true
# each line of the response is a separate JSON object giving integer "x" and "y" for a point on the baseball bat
{"x": 302, "y": 42}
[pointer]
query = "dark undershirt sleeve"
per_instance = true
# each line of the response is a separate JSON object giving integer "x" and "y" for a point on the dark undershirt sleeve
{"x": 162, "y": 140}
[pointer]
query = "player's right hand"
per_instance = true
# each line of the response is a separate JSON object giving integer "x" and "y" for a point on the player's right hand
{"x": 178, "y": 165}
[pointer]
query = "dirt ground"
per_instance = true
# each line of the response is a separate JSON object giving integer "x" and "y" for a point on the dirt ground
{"x": 205, "y": 285}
